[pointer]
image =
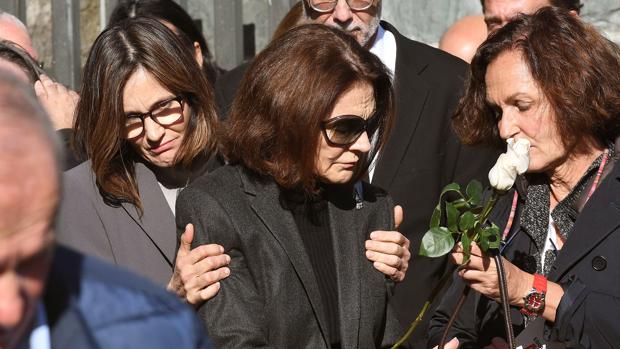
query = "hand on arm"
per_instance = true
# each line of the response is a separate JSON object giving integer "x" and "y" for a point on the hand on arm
{"x": 480, "y": 273}
{"x": 389, "y": 250}
{"x": 58, "y": 101}
{"x": 197, "y": 272}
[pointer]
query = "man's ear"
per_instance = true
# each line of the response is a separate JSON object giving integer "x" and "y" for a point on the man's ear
{"x": 574, "y": 13}
{"x": 198, "y": 54}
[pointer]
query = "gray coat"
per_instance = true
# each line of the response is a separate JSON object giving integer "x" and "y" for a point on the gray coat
{"x": 271, "y": 298}
{"x": 144, "y": 244}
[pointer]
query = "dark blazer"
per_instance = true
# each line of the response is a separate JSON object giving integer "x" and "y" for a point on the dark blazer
{"x": 144, "y": 244}
{"x": 90, "y": 304}
{"x": 422, "y": 154}
{"x": 271, "y": 298}
{"x": 587, "y": 268}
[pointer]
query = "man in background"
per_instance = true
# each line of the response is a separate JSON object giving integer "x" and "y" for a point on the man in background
{"x": 464, "y": 36}
{"x": 12, "y": 29}
{"x": 499, "y": 12}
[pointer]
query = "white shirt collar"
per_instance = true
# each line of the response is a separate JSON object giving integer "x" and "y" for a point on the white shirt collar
{"x": 40, "y": 335}
{"x": 384, "y": 47}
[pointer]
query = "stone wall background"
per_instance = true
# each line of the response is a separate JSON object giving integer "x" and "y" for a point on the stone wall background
{"x": 423, "y": 20}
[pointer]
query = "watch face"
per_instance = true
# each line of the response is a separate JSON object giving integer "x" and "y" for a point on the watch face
{"x": 535, "y": 301}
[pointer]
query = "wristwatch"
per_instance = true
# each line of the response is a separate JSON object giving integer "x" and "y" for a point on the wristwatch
{"x": 534, "y": 301}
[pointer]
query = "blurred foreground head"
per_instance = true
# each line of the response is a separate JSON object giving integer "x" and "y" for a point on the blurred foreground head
{"x": 12, "y": 29}
{"x": 29, "y": 195}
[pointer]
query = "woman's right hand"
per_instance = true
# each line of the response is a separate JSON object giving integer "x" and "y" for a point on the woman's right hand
{"x": 197, "y": 272}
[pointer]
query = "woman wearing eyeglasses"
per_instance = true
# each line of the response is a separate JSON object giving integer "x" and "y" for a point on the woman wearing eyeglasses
{"x": 290, "y": 209}
{"x": 146, "y": 121}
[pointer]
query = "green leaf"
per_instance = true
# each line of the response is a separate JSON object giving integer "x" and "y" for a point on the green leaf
{"x": 436, "y": 217}
{"x": 461, "y": 204}
{"x": 477, "y": 210}
{"x": 474, "y": 192}
{"x": 466, "y": 222}
{"x": 436, "y": 242}
{"x": 451, "y": 187}
{"x": 489, "y": 238}
{"x": 452, "y": 215}
{"x": 466, "y": 242}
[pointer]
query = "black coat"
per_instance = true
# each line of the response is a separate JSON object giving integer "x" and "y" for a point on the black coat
{"x": 587, "y": 267}
{"x": 422, "y": 154}
{"x": 271, "y": 298}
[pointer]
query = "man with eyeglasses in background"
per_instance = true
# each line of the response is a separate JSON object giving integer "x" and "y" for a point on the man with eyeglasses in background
{"x": 422, "y": 154}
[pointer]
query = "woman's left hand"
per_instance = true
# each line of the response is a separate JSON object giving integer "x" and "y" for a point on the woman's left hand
{"x": 480, "y": 273}
{"x": 197, "y": 272}
{"x": 389, "y": 250}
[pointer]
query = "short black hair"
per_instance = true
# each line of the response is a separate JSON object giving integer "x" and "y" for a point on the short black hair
{"x": 172, "y": 13}
{"x": 570, "y": 5}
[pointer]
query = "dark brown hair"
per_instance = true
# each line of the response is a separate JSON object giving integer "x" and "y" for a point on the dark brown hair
{"x": 14, "y": 53}
{"x": 99, "y": 126}
{"x": 575, "y": 67}
{"x": 291, "y": 87}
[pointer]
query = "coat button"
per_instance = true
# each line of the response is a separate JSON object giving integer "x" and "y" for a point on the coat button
{"x": 599, "y": 263}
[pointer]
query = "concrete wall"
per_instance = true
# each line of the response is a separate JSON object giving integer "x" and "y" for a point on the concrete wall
{"x": 423, "y": 20}
{"x": 426, "y": 20}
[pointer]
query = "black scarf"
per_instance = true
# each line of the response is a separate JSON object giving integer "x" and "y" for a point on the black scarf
{"x": 535, "y": 218}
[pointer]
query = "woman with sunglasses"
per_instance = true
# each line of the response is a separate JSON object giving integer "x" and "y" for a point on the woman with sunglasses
{"x": 146, "y": 121}
{"x": 290, "y": 209}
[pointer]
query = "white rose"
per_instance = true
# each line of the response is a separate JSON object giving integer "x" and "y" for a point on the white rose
{"x": 510, "y": 164}
{"x": 519, "y": 153}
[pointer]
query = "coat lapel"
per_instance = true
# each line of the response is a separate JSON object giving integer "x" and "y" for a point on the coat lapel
{"x": 157, "y": 222}
{"x": 345, "y": 226}
{"x": 411, "y": 94}
{"x": 599, "y": 218}
{"x": 281, "y": 224}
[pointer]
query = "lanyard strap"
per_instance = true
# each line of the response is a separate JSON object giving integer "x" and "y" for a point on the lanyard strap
{"x": 515, "y": 199}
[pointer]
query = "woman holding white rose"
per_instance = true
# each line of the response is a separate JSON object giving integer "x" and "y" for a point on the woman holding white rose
{"x": 553, "y": 82}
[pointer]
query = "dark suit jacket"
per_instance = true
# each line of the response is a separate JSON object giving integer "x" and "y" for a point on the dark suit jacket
{"x": 422, "y": 154}
{"x": 587, "y": 268}
{"x": 119, "y": 235}
{"x": 271, "y": 298}
{"x": 90, "y": 304}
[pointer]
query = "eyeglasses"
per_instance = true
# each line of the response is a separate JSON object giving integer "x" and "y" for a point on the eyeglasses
{"x": 344, "y": 130}
{"x": 164, "y": 113}
{"x": 324, "y": 6}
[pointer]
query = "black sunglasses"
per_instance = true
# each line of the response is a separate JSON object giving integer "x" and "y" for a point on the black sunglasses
{"x": 344, "y": 130}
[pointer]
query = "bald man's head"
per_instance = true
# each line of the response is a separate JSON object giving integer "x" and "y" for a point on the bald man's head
{"x": 12, "y": 29}
{"x": 464, "y": 36}
{"x": 29, "y": 196}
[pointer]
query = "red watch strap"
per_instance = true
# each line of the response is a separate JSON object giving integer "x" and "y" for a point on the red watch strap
{"x": 540, "y": 283}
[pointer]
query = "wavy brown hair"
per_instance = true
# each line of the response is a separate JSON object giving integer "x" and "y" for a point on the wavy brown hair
{"x": 291, "y": 87}
{"x": 99, "y": 126}
{"x": 576, "y": 68}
